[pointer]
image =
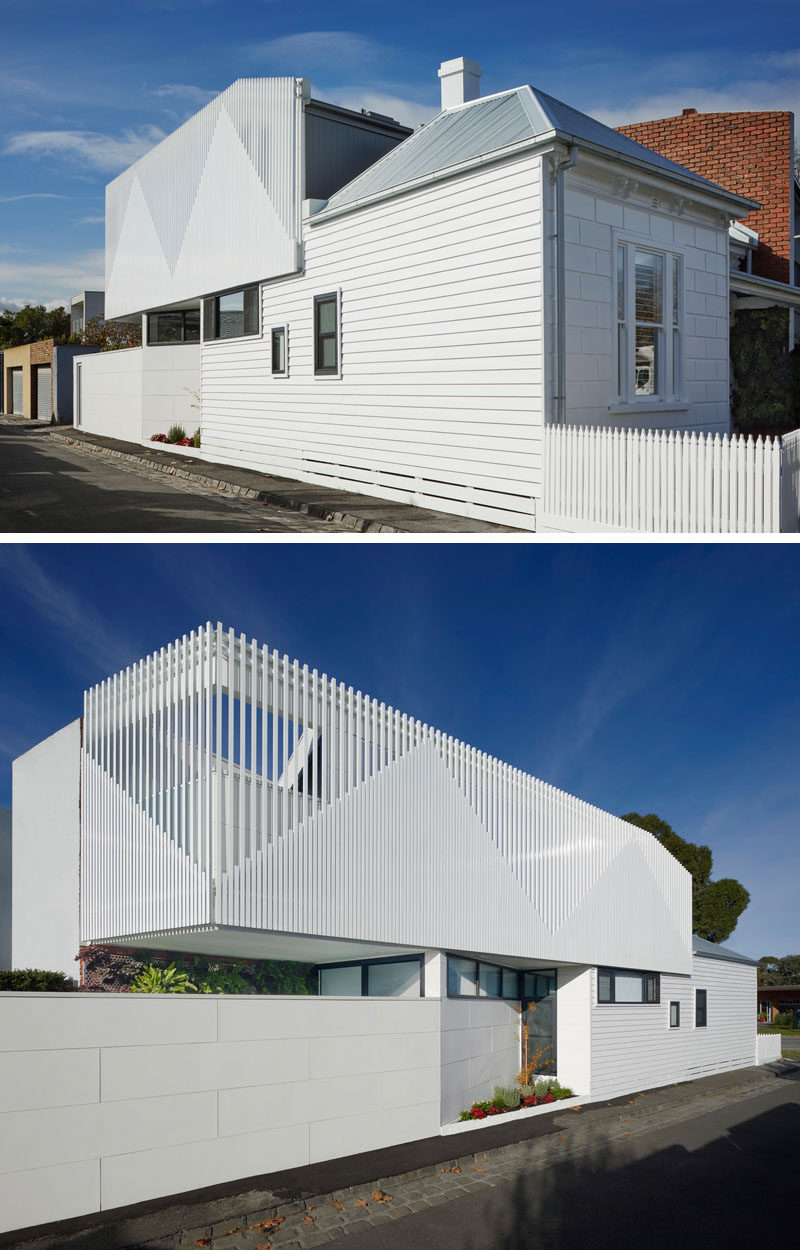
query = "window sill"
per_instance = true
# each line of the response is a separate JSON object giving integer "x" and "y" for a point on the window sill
{"x": 656, "y": 408}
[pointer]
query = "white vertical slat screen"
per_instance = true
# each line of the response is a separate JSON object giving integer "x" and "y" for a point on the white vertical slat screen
{"x": 219, "y": 777}
{"x": 665, "y": 482}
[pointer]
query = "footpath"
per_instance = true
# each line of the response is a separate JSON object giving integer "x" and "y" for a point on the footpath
{"x": 363, "y": 514}
{"x": 321, "y": 1203}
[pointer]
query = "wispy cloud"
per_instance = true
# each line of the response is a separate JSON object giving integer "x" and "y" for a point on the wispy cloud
{"x": 87, "y": 147}
{"x": 185, "y": 92}
{"x": 313, "y": 49}
{"x": 51, "y": 280}
{"x": 93, "y": 643}
{"x": 31, "y": 195}
{"x": 98, "y": 219}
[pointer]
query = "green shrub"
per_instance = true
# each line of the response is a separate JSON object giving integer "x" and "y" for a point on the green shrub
{"x": 167, "y": 980}
{"x": 784, "y": 1020}
{"x": 27, "y": 980}
{"x": 504, "y": 1096}
{"x": 175, "y": 433}
{"x": 196, "y": 437}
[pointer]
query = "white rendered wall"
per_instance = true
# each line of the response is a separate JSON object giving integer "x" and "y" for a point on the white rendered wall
{"x": 440, "y": 396}
{"x": 480, "y": 1049}
{"x": 599, "y": 211}
{"x": 136, "y": 392}
{"x": 633, "y": 1047}
{"x": 213, "y": 206}
{"x": 46, "y": 849}
{"x": 198, "y": 1091}
{"x": 5, "y": 888}
{"x": 573, "y": 1025}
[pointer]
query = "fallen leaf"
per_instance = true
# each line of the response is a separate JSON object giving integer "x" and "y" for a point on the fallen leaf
{"x": 339, "y": 1205}
{"x": 311, "y": 1208}
{"x": 380, "y": 1196}
{"x": 444, "y": 1170}
{"x": 308, "y": 1219}
{"x": 360, "y": 1202}
{"x": 263, "y": 1245}
{"x": 230, "y": 1232}
{"x": 275, "y": 1222}
{"x": 204, "y": 1241}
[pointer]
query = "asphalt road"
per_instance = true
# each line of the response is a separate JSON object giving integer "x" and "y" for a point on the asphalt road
{"x": 47, "y": 487}
{"x": 698, "y": 1183}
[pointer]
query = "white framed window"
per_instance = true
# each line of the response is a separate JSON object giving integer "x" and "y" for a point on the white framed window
{"x": 279, "y": 351}
{"x": 649, "y": 304}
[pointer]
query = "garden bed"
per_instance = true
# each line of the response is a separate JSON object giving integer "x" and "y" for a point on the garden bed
{"x": 507, "y": 1117}
{"x": 176, "y": 448}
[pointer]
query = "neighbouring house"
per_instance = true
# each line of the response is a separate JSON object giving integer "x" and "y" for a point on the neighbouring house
{"x": 218, "y": 798}
{"x": 774, "y": 999}
{"x": 753, "y": 154}
{"x": 39, "y": 380}
{"x": 83, "y": 307}
{"x": 417, "y": 329}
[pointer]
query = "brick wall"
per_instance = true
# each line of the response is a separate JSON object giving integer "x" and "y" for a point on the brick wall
{"x": 42, "y": 352}
{"x": 749, "y": 153}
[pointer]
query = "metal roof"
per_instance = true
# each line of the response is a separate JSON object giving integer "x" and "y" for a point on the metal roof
{"x": 712, "y": 951}
{"x": 490, "y": 125}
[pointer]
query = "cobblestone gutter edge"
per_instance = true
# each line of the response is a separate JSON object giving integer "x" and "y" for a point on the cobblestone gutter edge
{"x": 360, "y": 525}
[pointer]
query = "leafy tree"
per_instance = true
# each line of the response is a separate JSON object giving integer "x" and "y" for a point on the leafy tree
{"x": 779, "y": 970}
{"x": 111, "y": 335}
{"x": 31, "y": 324}
{"x": 716, "y": 905}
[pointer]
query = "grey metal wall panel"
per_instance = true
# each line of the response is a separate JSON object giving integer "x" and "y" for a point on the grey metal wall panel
{"x": 338, "y": 150}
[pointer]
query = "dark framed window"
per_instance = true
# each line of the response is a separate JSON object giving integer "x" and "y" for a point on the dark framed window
{"x": 326, "y": 334}
{"x": 178, "y": 326}
{"x": 473, "y": 978}
{"x": 279, "y": 363}
{"x": 701, "y": 1009}
{"x": 384, "y": 978}
{"x": 674, "y": 1015}
{"x": 232, "y": 315}
{"x": 621, "y": 985}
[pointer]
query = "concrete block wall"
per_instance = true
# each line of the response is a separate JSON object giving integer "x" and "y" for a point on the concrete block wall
{"x": 480, "y": 1049}
{"x": 107, "y": 1100}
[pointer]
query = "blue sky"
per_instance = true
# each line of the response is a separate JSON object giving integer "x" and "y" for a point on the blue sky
{"x": 88, "y": 87}
{"x": 640, "y": 677}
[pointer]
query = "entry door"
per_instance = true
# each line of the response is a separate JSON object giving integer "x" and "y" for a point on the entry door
{"x": 16, "y": 391}
{"x": 44, "y": 392}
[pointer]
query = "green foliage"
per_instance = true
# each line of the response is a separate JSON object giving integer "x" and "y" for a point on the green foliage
{"x": 716, "y": 905}
{"x": 169, "y": 980}
{"x": 784, "y": 1020}
{"x": 28, "y": 980}
{"x": 236, "y": 976}
{"x": 196, "y": 437}
{"x": 31, "y": 324}
{"x": 504, "y": 1096}
{"x": 779, "y": 971}
{"x": 175, "y": 433}
{"x": 111, "y": 336}
{"x": 766, "y": 376}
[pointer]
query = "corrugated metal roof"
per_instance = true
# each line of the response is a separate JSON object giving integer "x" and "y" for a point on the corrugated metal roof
{"x": 712, "y": 951}
{"x": 490, "y": 125}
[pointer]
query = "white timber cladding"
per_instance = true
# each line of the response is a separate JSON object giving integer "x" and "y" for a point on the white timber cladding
{"x": 633, "y": 1047}
{"x": 199, "y": 1092}
{"x": 214, "y": 205}
{"x": 440, "y": 396}
{"x": 226, "y": 784}
{"x": 604, "y": 207}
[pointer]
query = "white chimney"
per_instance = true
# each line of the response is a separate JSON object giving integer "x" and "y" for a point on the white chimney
{"x": 461, "y": 81}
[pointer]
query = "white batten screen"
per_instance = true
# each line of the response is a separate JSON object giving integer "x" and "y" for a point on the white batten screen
{"x": 225, "y": 784}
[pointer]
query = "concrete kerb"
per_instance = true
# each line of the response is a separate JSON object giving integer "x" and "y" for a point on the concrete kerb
{"x": 362, "y": 513}
{"x": 282, "y": 1201}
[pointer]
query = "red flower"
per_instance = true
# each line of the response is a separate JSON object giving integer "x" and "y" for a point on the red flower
{"x": 548, "y": 1097}
{"x": 530, "y": 1100}
{"x": 478, "y": 1113}
{"x": 493, "y": 1110}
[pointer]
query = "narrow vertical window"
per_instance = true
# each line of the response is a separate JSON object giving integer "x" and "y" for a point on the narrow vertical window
{"x": 676, "y": 336}
{"x": 622, "y": 352}
{"x": 279, "y": 350}
{"x": 674, "y": 1015}
{"x": 326, "y": 334}
{"x": 649, "y": 321}
{"x": 701, "y": 1009}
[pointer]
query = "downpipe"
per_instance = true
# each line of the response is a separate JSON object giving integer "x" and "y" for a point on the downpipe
{"x": 558, "y": 167}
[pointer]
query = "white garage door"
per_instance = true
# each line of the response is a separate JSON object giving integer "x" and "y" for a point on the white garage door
{"x": 16, "y": 391}
{"x": 44, "y": 392}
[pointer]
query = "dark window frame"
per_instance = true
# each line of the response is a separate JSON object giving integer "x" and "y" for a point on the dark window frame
{"x": 364, "y": 964}
{"x": 674, "y": 1003}
{"x": 701, "y": 996}
{"x": 173, "y": 312}
{"x": 521, "y": 973}
{"x": 648, "y": 979}
{"x": 211, "y": 319}
{"x": 321, "y": 370}
{"x": 282, "y": 330}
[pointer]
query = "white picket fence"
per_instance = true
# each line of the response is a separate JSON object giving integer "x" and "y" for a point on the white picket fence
{"x": 659, "y": 481}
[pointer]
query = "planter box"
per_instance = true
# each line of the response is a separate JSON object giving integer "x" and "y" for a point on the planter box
{"x": 467, "y": 1126}
{"x": 173, "y": 448}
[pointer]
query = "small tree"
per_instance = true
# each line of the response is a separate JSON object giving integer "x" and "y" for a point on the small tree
{"x": 31, "y": 324}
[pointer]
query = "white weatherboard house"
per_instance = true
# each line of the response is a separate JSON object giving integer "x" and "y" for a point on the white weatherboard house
{"x": 218, "y": 797}
{"x": 415, "y": 320}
